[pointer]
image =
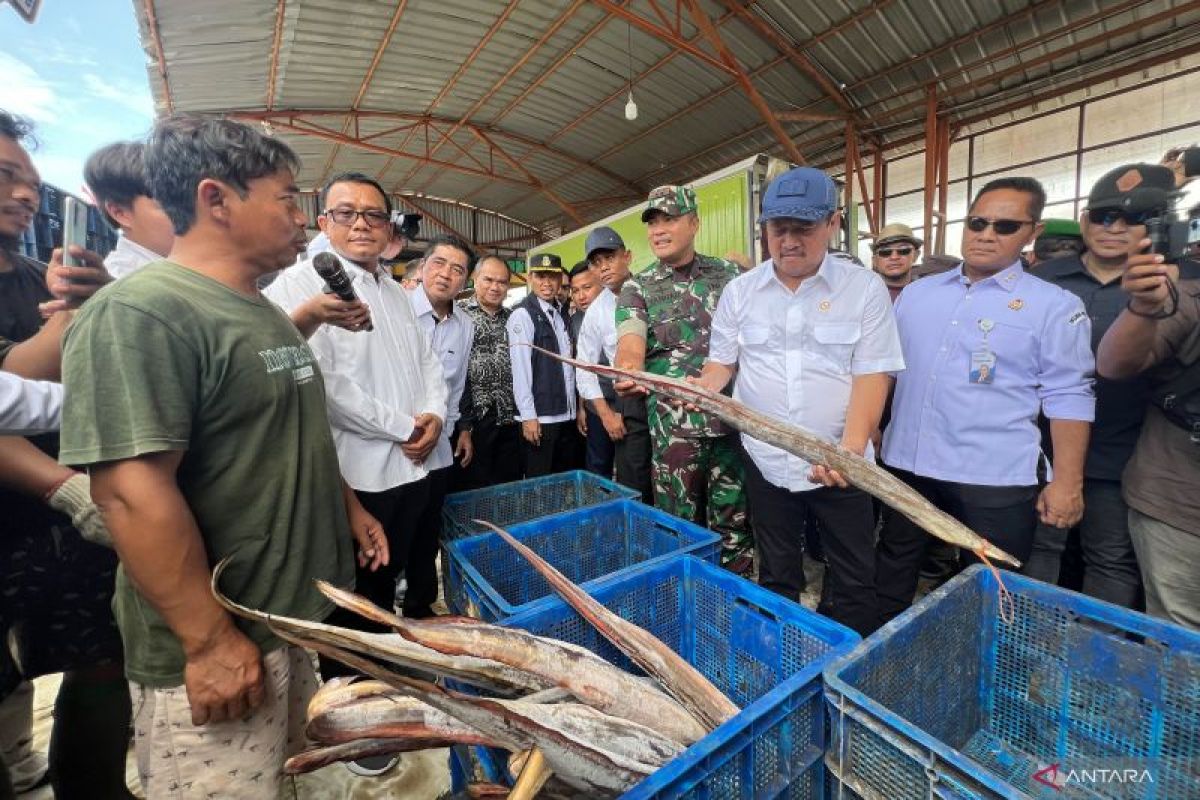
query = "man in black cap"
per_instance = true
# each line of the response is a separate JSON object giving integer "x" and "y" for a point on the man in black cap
{"x": 544, "y": 389}
{"x": 1113, "y": 226}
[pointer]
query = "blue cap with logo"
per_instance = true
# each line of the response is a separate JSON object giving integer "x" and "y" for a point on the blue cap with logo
{"x": 801, "y": 193}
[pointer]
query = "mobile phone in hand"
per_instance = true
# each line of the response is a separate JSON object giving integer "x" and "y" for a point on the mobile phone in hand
{"x": 74, "y": 229}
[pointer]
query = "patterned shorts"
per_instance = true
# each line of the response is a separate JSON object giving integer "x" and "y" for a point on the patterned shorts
{"x": 55, "y": 597}
{"x": 235, "y": 759}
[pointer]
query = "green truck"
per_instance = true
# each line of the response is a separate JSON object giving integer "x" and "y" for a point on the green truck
{"x": 728, "y": 201}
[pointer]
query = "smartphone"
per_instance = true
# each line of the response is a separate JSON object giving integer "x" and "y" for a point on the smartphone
{"x": 75, "y": 219}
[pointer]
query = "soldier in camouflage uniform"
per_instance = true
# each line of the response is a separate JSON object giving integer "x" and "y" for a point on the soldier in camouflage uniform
{"x": 663, "y": 319}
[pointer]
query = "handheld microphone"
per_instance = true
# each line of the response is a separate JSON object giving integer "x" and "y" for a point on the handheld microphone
{"x": 337, "y": 281}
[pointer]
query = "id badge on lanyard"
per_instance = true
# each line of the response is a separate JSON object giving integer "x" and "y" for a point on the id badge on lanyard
{"x": 983, "y": 360}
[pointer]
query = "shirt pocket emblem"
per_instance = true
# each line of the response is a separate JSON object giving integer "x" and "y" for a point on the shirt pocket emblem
{"x": 835, "y": 343}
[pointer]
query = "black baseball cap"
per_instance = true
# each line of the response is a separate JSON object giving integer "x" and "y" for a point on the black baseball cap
{"x": 1134, "y": 188}
{"x": 545, "y": 262}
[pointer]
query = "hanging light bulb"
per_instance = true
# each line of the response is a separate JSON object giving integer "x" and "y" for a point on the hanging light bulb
{"x": 630, "y": 106}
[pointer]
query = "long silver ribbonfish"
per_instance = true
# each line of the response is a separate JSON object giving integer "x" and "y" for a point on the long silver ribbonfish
{"x": 803, "y": 444}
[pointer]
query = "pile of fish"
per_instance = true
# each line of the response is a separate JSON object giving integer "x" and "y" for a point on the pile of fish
{"x": 562, "y": 710}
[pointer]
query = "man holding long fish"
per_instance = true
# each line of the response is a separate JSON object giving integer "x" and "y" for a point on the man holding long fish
{"x": 811, "y": 339}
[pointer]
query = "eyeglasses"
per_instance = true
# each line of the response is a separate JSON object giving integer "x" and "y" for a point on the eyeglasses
{"x": 1003, "y": 227}
{"x": 1109, "y": 216}
{"x": 889, "y": 251}
{"x": 348, "y": 216}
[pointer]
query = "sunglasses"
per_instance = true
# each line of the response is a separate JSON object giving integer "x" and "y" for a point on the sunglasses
{"x": 889, "y": 251}
{"x": 1003, "y": 227}
{"x": 1109, "y": 216}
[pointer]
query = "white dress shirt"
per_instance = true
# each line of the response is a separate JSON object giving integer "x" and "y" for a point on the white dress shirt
{"x": 28, "y": 407}
{"x": 128, "y": 257}
{"x": 451, "y": 340}
{"x": 377, "y": 381}
{"x": 520, "y": 333}
{"x": 597, "y": 335}
{"x": 797, "y": 352}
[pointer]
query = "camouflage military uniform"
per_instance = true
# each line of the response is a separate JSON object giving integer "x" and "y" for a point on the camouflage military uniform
{"x": 697, "y": 472}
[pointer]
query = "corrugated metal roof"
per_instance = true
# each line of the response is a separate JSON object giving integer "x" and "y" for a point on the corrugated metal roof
{"x": 546, "y": 82}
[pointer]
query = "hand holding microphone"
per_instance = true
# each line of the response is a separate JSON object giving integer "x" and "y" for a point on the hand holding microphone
{"x": 337, "y": 282}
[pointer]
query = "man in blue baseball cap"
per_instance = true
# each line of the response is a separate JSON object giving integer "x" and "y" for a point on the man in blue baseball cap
{"x": 810, "y": 337}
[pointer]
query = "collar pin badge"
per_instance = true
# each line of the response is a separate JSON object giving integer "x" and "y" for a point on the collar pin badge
{"x": 1016, "y": 305}
{"x": 823, "y": 306}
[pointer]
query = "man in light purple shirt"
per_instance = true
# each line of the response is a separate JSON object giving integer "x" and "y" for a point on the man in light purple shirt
{"x": 987, "y": 347}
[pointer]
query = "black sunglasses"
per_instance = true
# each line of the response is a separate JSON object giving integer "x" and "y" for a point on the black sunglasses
{"x": 1109, "y": 216}
{"x": 1003, "y": 227}
{"x": 887, "y": 251}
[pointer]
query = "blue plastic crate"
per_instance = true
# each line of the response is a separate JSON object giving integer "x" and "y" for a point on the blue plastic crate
{"x": 764, "y": 651}
{"x": 950, "y": 701}
{"x": 487, "y": 578}
{"x": 522, "y": 501}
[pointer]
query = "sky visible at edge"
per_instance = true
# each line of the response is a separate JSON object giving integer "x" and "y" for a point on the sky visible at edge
{"x": 79, "y": 73}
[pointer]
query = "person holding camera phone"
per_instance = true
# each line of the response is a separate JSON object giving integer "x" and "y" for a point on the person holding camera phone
{"x": 1120, "y": 206}
{"x": 1157, "y": 337}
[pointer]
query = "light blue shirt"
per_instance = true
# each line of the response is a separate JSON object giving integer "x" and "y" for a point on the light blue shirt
{"x": 946, "y": 427}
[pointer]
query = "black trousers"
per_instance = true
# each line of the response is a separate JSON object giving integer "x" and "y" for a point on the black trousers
{"x": 1004, "y": 515}
{"x": 1110, "y": 564}
{"x": 848, "y": 526}
{"x": 421, "y": 569}
{"x": 399, "y": 510}
{"x": 600, "y": 449}
{"x": 499, "y": 455}
{"x": 555, "y": 452}
{"x": 631, "y": 455}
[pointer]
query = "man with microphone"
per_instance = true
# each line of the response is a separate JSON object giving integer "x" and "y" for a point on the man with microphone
{"x": 386, "y": 391}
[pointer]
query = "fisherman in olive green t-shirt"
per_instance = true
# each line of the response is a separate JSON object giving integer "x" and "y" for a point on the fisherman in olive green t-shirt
{"x": 200, "y": 413}
{"x": 259, "y": 471}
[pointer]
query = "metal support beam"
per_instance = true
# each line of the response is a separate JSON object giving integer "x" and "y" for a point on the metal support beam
{"x": 156, "y": 40}
{"x": 276, "y": 45}
{"x": 943, "y": 159}
{"x": 930, "y": 159}
{"x": 665, "y": 34}
{"x": 752, "y": 94}
{"x": 520, "y": 62}
{"x": 470, "y": 59}
{"x": 861, "y": 175}
{"x": 879, "y": 167}
{"x": 339, "y": 138}
{"x": 529, "y": 176}
{"x": 380, "y": 49}
{"x": 802, "y": 62}
{"x": 809, "y": 116}
{"x": 424, "y": 211}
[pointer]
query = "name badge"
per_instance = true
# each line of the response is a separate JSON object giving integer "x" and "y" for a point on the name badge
{"x": 983, "y": 367}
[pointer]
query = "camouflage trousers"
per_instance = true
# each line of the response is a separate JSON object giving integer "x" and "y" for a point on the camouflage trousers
{"x": 700, "y": 479}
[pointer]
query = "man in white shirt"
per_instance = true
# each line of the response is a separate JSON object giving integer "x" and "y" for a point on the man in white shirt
{"x": 811, "y": 337}
{"x": 384, "y": 387}
{"x": 623, "y": 419}
{"x": 116, "y": 176}
{"x": 450, "y": 332}
{"x": 544, "y": 389}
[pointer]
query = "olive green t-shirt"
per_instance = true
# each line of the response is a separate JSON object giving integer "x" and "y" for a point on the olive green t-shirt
{"x": 168, "y": 359}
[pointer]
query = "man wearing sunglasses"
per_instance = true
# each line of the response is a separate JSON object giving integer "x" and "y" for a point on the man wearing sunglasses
{"x": 987, "y": 346}
{"x": 1113, "y": 227}
{"x": 893, "y": 256}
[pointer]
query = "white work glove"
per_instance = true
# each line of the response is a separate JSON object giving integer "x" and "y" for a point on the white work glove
{"x": 73, "y": 497}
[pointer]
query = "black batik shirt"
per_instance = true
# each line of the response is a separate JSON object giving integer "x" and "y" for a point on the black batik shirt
{"x": 489, "y": 370}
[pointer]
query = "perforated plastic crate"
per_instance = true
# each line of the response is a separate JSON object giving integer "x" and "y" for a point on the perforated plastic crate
{"x": 765, "y": 652}
{"x": 522, "y": 501}
{"x": 488, "y": 579}
{"x": 1074, "y": 698}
